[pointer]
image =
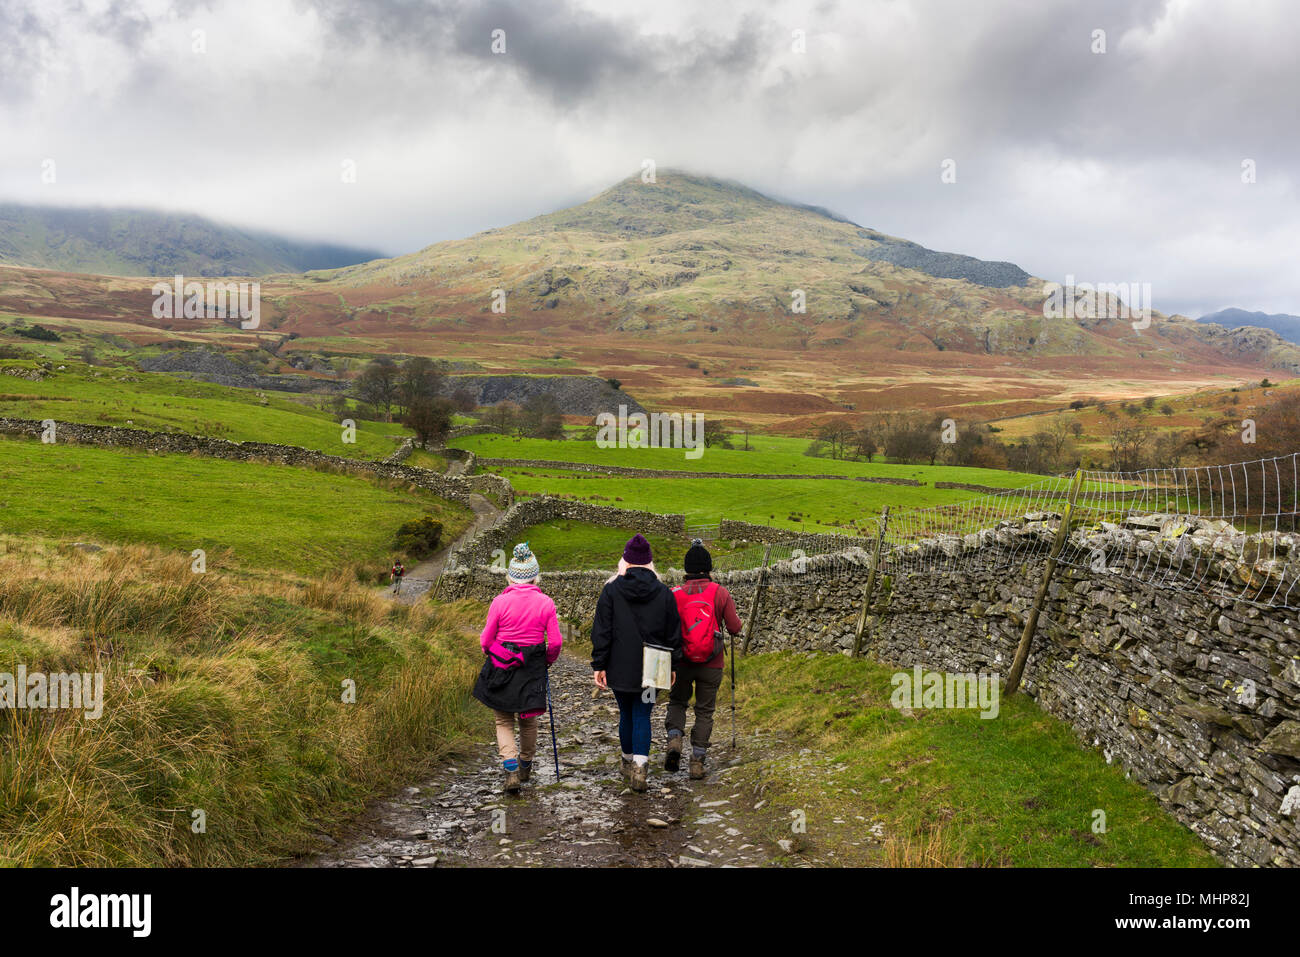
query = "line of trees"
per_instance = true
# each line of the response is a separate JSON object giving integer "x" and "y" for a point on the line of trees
{"x": 932, "y": 440}
{"x": 414, "y": 392}
{"x": 1131, "y": 438}
{"x": 539, "y": 417}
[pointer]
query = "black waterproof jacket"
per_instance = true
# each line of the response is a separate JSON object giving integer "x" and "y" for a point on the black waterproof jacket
{"x": 634, "y": 609}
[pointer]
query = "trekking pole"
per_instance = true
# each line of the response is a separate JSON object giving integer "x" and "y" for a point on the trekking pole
{"x": 733, "y": 692}
{"x": 555, "y": 750}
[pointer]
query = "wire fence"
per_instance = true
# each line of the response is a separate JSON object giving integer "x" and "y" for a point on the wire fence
{"x": 1231, "y": 529}
{"x": 1227, "y": 529}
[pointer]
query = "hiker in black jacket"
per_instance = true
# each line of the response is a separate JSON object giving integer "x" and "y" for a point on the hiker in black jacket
{"x": 635, "y": 609}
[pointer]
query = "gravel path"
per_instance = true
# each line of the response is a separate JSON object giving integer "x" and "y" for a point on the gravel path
{"x": 460, "y": 817}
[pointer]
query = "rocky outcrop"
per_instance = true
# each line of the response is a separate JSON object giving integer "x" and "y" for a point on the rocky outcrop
{"x": 21, "y": 372}
{"x": 1250, "y": 343}
{"x": 209, "y": 366}
{"x": 909, "y": 255}
{"x": 576, "y": 394}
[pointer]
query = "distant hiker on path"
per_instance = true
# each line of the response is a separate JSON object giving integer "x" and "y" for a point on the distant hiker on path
{"x": 398, "y": 571}
{"x": 705, "y": 607}
{"x": 521, "y": 640}
{"x": 635, "y": 609}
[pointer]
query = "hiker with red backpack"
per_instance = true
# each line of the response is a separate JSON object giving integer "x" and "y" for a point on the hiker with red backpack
{"x": 704, "y": 607}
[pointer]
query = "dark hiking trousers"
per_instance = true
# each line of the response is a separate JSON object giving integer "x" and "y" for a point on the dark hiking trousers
{"x": 704, "y": 682}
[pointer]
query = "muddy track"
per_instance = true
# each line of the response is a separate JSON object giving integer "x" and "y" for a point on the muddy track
{"x": 589, "y": 818}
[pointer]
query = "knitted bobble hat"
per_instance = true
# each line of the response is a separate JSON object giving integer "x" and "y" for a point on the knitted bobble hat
{"x": 637, "y": 551}
{"x": 523, "y": 565}
{"x": 698, "y": 560}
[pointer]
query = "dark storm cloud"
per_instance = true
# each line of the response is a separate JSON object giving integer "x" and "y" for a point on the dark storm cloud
{"x": 568, "y": 52}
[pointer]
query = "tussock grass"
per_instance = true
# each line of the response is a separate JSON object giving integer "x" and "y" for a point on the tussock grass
{"x": 117, "y": 590}
{"x": 933, "y": 847}
{"x": 339, "y": 593}
{"x": 220, "y": 696}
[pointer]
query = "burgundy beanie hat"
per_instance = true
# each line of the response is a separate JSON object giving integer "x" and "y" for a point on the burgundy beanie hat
{"x": 637, "y": 550}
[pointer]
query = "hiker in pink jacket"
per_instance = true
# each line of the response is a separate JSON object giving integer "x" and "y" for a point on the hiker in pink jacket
{"x": 521, "y": 640}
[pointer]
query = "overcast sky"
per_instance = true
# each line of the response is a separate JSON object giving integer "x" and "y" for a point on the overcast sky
{"x": 1117, "y": 166}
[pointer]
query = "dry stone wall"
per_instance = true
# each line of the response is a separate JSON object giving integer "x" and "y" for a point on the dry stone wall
{"x": 749, "y": 532}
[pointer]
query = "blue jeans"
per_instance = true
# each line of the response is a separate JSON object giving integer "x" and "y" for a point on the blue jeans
{"x": 633, "y": 722}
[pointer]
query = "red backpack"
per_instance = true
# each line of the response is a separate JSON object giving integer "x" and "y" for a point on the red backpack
{"x": 700, "y": 639}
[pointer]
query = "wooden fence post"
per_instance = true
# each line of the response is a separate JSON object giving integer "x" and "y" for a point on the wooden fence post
{"x": 753, "y": 605}
{"x": 1031, "y": 623}
{"x": 871, "y": 581}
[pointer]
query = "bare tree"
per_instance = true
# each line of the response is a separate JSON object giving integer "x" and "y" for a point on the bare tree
{"x": 837, "y": 436}
{"x": 541, "y": 418}
{"x": 1059, "y": 445}
{"x": 501, "y": 417}
{"x": 419, "y": 379}
{"x": 377, "y": 386}
{"x": 865, "y": 443}
{"x": 430, "y": 420}
{"x": 1128, "y": 446}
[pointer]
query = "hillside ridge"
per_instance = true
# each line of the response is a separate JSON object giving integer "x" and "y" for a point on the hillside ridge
{"x": 128, "y": 241}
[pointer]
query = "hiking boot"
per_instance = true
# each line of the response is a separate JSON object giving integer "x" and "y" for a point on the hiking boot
{"x": 673, "y": 759}
{"x": 625, "y": 768}
{"x": 638, "y": 778}
{"x": 525, "y": 771}
{"x": 512, "y": 782}
{"x": 697, "y": 768}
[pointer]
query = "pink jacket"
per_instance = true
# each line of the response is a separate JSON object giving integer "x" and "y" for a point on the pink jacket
{"x": 525, "y": 615}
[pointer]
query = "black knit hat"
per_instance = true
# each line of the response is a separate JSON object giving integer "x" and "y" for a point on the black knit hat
{"x": 698, "y": 560}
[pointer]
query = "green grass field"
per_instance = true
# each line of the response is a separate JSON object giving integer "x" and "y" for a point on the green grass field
{"x": 952, "y": 788}
{"x": 819, "y": 506}
{"x": 770, "y": 455}
{"x": 807, "y": 505}
{"x": 267, "y": 516}
{"x": 142, "y": 400}
{"x": 425, "y": 459}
